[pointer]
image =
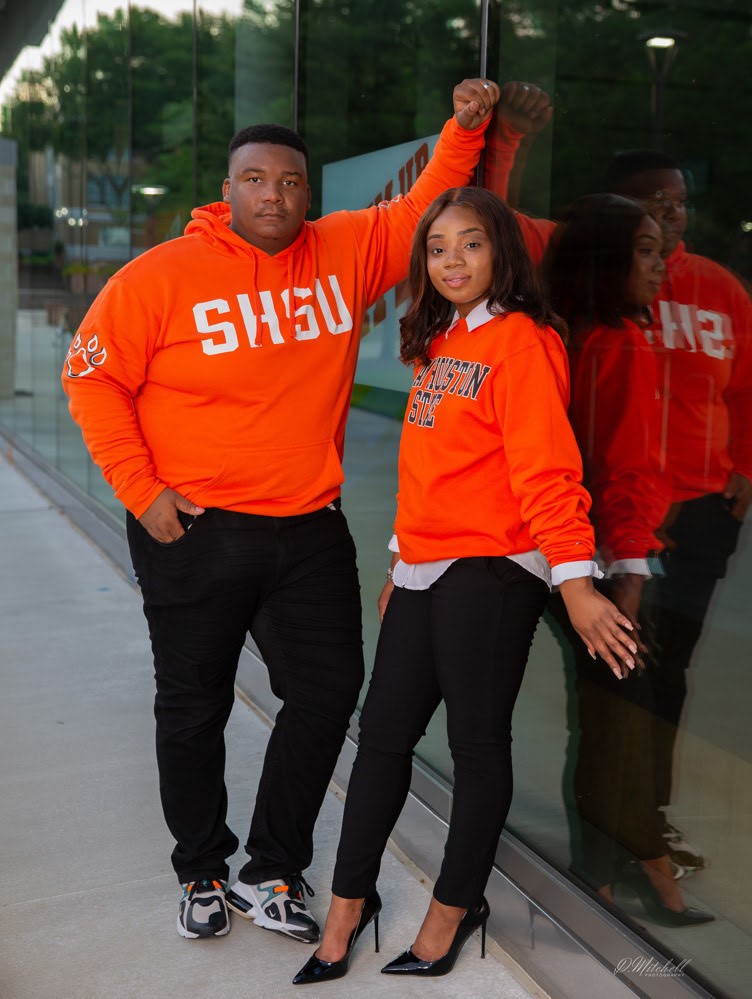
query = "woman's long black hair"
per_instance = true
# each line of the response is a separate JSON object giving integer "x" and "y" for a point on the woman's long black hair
{"x": 589, "y": 260}
{"x": 515, "y": 287}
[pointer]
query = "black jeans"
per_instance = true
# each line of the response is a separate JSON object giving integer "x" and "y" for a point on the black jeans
{"x": 705, "y": 535}
{"x": 293, "y": 583}
{"x": 466, "y": 640}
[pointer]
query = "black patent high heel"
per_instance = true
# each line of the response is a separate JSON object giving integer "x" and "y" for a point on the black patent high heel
{"x": 408, "y": 964}
{"x": 316, "y": 970}
{"x": 635, "y": 877}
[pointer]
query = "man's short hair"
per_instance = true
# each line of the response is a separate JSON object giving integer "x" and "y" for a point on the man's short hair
{"x": 625, "y": 165}
{"x": 274, "y": 135}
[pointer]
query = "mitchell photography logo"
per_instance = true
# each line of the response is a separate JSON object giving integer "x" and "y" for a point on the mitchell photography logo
{"x": 649, "y": 967}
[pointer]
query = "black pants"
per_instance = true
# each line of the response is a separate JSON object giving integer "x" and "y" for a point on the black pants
{"x": 704, "y": 534}
{"x": 292, "y": 582}
{"x": 466, "y": 640}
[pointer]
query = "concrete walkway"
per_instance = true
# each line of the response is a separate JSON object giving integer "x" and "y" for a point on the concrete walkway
{"x": 89, "y": 897}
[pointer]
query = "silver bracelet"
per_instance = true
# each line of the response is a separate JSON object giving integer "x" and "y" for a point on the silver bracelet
{"x": 390, "y": 575}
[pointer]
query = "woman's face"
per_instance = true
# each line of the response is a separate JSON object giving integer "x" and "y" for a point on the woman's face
{"x": 460, "y": 258}
{"x": 645, "y": 277}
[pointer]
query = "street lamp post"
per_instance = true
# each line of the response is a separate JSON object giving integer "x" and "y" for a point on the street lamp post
{"x": 661, "y": 48}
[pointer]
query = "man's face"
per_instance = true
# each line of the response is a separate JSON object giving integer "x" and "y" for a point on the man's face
{"x": 663, "y": 195}
{"x": 268, "y": 193}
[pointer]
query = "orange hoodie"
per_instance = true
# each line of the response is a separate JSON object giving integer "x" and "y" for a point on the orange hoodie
{"x": 210, "y": 367}
{"x": 702, "y": 337}
{"x": 488, "y": 462}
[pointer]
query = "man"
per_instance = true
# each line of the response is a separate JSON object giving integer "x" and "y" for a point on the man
{"x": 212, "y": 379}
{"x": 702, "y": 338}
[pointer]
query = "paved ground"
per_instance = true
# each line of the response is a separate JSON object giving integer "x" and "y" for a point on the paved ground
{"x": 89, "y": 897}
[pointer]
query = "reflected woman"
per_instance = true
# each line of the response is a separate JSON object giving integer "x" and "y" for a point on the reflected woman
{"x": 491, "y": 511}
{"x": 604, "y": 269}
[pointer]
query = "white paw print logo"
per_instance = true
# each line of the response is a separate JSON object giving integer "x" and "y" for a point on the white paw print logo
{"x": 83, "y": 359}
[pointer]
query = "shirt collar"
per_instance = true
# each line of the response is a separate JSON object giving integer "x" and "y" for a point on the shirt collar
{"x": 478, "y": 317}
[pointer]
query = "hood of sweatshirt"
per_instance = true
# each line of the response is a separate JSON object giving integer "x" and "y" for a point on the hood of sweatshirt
{"x": 212, "y": 223}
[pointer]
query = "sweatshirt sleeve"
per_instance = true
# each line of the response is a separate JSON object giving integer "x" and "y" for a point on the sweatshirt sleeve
{"x": 502, "y": 143}
{"x": 103, "y": 373}
{"x": 544, "y": 463}
{"x": 384, "y": 232}
{"x": 616, "y": 416}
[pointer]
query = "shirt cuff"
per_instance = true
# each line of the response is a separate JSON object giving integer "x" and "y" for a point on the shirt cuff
{"x": 393, "y": 545}
{"x": 574, "y": 570}
{"x": 634, "y": 566}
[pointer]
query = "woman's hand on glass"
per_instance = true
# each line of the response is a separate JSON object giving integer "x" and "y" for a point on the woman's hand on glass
{"x": 605, "y": 631}
{"x": 626, "y": 593}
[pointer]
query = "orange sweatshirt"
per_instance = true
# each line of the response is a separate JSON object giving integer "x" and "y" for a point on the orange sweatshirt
{"x": 210, "y": 367}
{"x": 616, "y": 414}
{"x": 488, "y": 462}
{"x": 703, "y": 338}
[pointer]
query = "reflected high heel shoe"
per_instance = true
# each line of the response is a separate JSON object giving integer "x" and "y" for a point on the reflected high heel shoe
{"x": 635, "y": 877}
{"x": 408, "y": 964}
{"x": 316, "y": 970}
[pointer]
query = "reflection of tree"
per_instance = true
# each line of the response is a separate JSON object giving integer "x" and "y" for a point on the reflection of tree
{"x": 379, "y": 72}
{"x": 601, "y": 90}
{"x": 265, "y": 64}
{"x": 119, "y": 97}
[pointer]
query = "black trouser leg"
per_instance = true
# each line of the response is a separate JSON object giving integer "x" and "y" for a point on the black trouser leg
{"x": 496, "y": 606}
{"x": 704, "y": 535}
{"x": 198, "y": 596}
{"x": 467, "y": 640}
{"x": 309, "y": 631}
{"x": 402, "y": 696}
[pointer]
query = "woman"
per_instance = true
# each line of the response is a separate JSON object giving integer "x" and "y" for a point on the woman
{"x": 490, "y": 508}
{"x": 604, "y": 270}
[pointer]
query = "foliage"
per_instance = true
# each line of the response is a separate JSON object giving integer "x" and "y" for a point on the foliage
{"x": 33, "y": 216}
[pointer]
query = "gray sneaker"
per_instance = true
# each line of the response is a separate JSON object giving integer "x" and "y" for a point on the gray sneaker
{"x": 277, "y": 905}
{"x": 202, "y": 911}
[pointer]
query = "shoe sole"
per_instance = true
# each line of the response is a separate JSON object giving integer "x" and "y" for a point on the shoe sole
{"x": 248, "y": 911}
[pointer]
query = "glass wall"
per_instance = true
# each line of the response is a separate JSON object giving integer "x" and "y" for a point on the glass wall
{"x": 609, "y": 778}
{"x": 117, "y": 125}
